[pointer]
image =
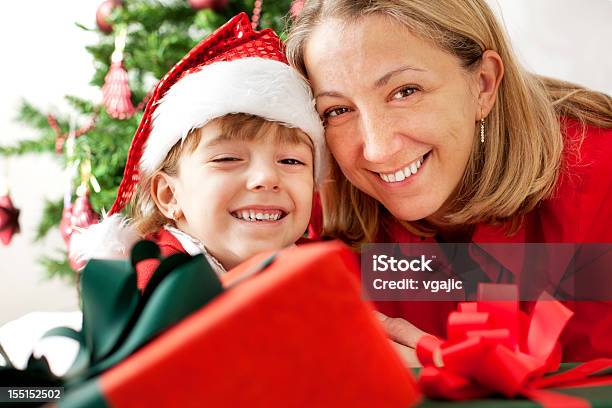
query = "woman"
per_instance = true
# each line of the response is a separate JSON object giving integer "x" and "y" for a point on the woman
{"x": 439, "y": 135}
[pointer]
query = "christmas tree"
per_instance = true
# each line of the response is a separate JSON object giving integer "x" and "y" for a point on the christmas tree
{"x": 140, "y": 40}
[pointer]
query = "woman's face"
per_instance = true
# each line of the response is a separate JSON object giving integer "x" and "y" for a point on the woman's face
{"x": 400, "y": 113}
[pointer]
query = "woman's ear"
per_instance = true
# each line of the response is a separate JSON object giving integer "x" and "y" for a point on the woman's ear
{"x": 490, "y": 74}
{"x": 163, "y": 194}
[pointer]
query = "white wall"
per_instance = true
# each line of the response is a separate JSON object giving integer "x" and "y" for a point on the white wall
{"x": 566, "y": 39}
{"x": 43, "y": 59}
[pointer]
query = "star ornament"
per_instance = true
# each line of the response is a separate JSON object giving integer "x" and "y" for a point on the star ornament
{"x": 9, "y": 220}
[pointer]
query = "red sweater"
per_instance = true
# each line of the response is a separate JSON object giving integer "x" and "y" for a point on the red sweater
{"x": 168, "y": 245}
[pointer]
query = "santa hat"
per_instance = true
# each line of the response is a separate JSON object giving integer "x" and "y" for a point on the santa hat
{"x": 234, "y": 70}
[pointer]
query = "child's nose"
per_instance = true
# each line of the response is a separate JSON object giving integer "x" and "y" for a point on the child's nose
{"x": 264, "y": 179}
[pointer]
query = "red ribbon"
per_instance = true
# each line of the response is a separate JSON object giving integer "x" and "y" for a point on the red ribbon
{"x": 494, "y": 347}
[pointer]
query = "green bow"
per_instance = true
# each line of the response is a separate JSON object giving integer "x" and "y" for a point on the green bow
{"x": 118, "y": 319}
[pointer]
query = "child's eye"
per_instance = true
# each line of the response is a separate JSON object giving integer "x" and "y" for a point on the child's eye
{"x": 404, "y": 92}
{"x": 225, "y": 159}
{"x": 333, "y": 112}
{"x": 292, "y": 162}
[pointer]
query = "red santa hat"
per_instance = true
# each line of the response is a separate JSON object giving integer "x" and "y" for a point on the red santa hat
{"x": 234, "y": 70}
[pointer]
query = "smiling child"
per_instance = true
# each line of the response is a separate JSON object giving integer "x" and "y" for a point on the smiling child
{"x": 224, "y": 161}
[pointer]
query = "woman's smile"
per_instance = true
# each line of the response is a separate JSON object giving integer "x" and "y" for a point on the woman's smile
{"x": 405, "y": 174}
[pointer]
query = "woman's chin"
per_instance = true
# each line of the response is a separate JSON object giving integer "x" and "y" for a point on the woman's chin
{"x": 411, "y": 214}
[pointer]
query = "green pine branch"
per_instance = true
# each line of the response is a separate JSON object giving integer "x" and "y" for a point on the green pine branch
{"x": 58, "y": 268}
{"x": 52, "y": 212}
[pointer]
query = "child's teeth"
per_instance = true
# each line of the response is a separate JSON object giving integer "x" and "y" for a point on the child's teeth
{"x": 251, "y": 215}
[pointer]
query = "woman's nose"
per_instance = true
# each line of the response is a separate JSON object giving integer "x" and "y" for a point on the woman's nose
{"x": 380, "y": 139}
{"x": 263, "y": 177}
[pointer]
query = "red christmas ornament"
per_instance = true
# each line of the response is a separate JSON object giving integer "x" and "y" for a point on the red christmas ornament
{"x": 65, "y": 226}
{"x": 296, "y": 8}
{"x": 83, "y": 214}
{"x": 104, "y": 11}
{"x": 9, "y": 219}
{"x": 117, "y": 95}
{"x": 78, "y": 215}
{"x": 207, "y": 4}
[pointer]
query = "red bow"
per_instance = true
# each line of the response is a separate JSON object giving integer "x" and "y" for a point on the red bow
{"x": 494, "y": 347}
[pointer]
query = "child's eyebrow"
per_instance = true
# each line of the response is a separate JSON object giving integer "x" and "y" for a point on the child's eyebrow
{"x": 217, "y": 140}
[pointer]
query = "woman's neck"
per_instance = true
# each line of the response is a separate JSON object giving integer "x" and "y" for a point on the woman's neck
{"x": 448, "y": 232}
{"x": 456, "y": 234}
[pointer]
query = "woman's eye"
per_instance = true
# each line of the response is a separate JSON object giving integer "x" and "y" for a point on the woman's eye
{"x": 292, "y": 162}
{"x": 330, "y": 113}
{"x": 404, "y": 92}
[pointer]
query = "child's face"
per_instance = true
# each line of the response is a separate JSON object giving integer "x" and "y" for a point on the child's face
{"x": 224, "y": 187}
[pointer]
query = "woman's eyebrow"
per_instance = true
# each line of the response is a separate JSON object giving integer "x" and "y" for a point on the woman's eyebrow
{"x": 382, "y": 81}
{"x": 328, "y": 93}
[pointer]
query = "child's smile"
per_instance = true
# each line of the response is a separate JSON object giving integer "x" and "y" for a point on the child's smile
{"x": 259, "y": 214}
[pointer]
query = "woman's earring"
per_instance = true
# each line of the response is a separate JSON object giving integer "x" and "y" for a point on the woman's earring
{"x": 482, "y": 130}
{"x": 173, "y": 214}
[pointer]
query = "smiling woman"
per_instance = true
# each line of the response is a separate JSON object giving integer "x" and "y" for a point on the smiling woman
{"x": 431, "y": 100}
{"x": 439, "y": 135}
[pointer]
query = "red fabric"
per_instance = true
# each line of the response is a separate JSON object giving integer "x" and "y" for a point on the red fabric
{"x": 579, "y": 212}
{"x": 168, "y": 245}
{"x": 294, "y": 335}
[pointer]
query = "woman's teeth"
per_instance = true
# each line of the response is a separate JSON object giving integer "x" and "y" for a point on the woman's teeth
{"x": 258, "y": 215}
{"x": 404, "y": 173}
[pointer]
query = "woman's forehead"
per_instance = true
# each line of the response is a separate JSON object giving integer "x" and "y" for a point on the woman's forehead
{"x": 371, "y": 47}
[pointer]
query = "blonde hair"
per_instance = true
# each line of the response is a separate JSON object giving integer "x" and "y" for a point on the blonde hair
{"x": 144, "y": 214}
{"x": 519, "y": 164}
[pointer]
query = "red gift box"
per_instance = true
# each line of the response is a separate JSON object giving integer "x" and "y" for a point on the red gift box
{"x": 295, "y": 334}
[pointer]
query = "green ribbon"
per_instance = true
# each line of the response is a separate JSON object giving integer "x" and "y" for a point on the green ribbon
{"x": 118, "y": 319}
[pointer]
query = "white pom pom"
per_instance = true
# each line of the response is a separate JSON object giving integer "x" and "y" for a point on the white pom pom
{"x": 112, "y": 238}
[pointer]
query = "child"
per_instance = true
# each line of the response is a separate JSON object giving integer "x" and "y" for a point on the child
{"x": 224, "y": 160}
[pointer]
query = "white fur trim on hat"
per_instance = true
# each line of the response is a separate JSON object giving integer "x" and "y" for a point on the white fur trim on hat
{"x": 112, "y": 238}
{"x": 262, "y": 87}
